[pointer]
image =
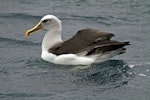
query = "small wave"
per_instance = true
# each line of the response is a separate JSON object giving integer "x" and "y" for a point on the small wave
{"x": 90, "y": 17}
{"x": 138, "y": 64}
{"x": 99, "y": 19}
{"x": 14, "y": 41}
{"x": 147, "y": 70}
{"x": 131, "y": 66}
{"x": 18, "y": 15}
{"x": 34, "y": 62}
{"x": 23, "y": 95}
{"x": 78, "y": 17}
{"x": 141, "y": 74}
{"x": 110, "y": 74}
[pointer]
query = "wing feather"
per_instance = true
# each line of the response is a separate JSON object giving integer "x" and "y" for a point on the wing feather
{"x": 84, "y": 40}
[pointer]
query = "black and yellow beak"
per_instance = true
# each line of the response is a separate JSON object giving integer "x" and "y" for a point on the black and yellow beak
{"x": 35, "y": 29}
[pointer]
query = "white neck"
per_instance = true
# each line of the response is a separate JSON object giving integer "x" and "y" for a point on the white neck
{"x": 51, "y": 38}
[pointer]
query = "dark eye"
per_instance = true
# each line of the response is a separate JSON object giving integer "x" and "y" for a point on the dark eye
{"x": 46, "y": 21}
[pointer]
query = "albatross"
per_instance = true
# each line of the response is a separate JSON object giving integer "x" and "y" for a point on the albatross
{"x": 86, "y": 47}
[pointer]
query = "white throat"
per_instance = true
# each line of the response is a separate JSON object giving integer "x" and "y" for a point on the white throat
{"x": 50, "y": 39}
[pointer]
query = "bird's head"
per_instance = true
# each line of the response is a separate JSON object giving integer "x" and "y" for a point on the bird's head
{"x": 48, "y": 23}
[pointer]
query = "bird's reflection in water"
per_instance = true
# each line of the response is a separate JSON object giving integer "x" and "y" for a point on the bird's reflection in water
{"x": 110, "y": 74}
{"x": 106, "y": 75}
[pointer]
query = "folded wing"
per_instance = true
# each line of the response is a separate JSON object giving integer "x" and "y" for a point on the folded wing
{"x": 89, "y": 41}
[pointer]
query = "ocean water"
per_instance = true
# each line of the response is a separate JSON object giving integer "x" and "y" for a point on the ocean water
{"x": 25, "y": 76}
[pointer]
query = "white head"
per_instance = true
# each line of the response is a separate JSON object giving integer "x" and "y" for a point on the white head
{"x": 51, "y": 22}
{"x": 48, "y": 23}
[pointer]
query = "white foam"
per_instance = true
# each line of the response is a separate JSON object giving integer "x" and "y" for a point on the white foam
{"x": 141, "y": 74}
{"x": 138, "y": 64}
{"x": 147, "y": 70}
{"x": 131, "y": 66}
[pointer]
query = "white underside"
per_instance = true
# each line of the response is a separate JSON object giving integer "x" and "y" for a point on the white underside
{"x": 66, "y": 59}
{"x": 72, "y": 59}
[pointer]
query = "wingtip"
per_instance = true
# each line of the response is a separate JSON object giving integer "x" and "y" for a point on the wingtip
{"x": 112, "y": 34}
{"x": 127, "y": 43}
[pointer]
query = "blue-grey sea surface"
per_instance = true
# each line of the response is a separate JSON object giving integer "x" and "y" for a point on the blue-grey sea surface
{"x": 25, "y": 76}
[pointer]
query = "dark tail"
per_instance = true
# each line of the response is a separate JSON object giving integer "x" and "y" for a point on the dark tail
{"x": 109, "y": 47}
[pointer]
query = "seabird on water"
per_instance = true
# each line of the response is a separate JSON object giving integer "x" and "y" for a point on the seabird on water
{"x": 86, "y": 47}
